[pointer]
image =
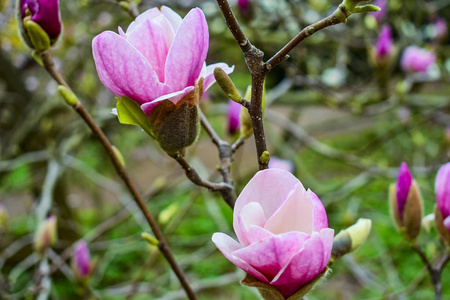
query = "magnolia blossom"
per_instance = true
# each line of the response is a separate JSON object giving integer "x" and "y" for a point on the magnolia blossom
{"x": 283, "y": 233}
{"x": 160, "y": 56}
{"x": 416, "y": 59}
{"x": 45, "y": 13}
{"x": 81, "y": 261}
{"x": 234, "y": 111}
{"x": 442, "y": 188}
{"x": 283, "y": 164}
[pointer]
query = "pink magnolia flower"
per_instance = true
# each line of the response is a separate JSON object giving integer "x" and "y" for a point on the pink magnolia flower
{"x": 244, "y": 5}
{"x": 45, "y": 13}
{"x": 283, "y": 164}
{"x": 159, "y": 57}
{"x": 442, "y": 188}
{"x": 416, "y": 59}
{"x": 81, "y": 261}
{"x": 283, "y": 233}
{"x": 234, "y": 112}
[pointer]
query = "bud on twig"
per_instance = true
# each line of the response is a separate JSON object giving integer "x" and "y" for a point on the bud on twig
{"x": 46, "y": 235}
{"x": 70, "y": 98}
{"x": 227, "y": 85}
{"x": 150, "y": 239}
{"x": 351, "y": 238}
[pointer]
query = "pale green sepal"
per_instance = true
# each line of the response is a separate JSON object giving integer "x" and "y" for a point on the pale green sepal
{"x": 38, "y": 37}
{"x": 37, "y": 57}
{"x": 130, "y": 112}
{"x": 70, "y": 98}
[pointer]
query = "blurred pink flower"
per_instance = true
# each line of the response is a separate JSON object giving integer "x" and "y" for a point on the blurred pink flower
{"x": 384, "y": 45}
{"x": 283, "y": 233}
{"x": 244, "y": 5}
{"x": 81, "y": 261}
{"x": 440, "y": 29}
{"x": 416, "y": 59}
{"x": 45, "y": 13}
{"x": 159, "y": 57}
{"x": 442, "y": 188}
{"x": 380, "y": 15}
{"x": 46, "y": 234}
{"x": 234, "y": 111}
{"x": 283, "y": 164}
{"x": 404, "y": 181}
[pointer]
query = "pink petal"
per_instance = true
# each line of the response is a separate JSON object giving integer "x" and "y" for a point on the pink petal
{"x": 149, "y": 38}
{"x": 188, "y": 51}
{"x": 306, "y": 264}
{"x": 174, "y": 97}
{"x": 123, "y": 70}
{"x": 174, "y": 19}
{"x": 270, "y": 255}
{"x": 227, "y": 246}
{"x": 442, "y": 189}
{"x": 146, "y": 15}
{"x": 251, "y": 214}
{"x": 255, "y": 234}
{"x": 208, "y": 73}
{"x": 269, "y": 188}
{"x": 295, "y": 214}
{"x": 320, "y": 215}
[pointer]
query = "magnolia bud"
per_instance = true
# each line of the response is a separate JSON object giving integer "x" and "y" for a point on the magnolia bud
{"x": 81, "y": 261}
{"x": 406, "y": 204}
{"x": 245, "y": 119}
{"x": 70, "y": 98}
{"x": 40, "y": 22}
{"x": 150, "y": 239}
{"x": 3, "y": 217}
{"x": 227, "y": 85}
{"x": 46, "y": 235}
{"x": 234, "y": 111}
{"x": 351, "y": 238}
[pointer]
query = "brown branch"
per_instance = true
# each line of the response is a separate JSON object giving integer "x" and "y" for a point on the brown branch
{"x": 306, "y": 32}
{"x": 79, "y": 108}
{"x": 225, "y": 156}
{"x": 223, "y": 188}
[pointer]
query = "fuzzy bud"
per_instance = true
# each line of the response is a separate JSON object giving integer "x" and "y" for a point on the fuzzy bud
{"x": 46, "y": 235}
{"x": 227, "y": 85}
{"x": 351, "y": 238}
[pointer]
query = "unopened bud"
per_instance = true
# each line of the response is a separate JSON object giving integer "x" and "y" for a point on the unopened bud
{"x": 3, "y": 217}
{"x": 245, "y": 119}
{"x": 166, "y": 214}
{"x": 150, "y": 239}
{"x": 118, "y": 155}
{"x": 70, "y": 98}
{"x": 351, "y": 238}
{"x": 124, "y": 5}
{"x": 81, "y": 261}
{"x": 46, "y": 235}
{"x": 265, "y": 157}
{"x": 406, "y": 204}
{"x": 227, "y": 85}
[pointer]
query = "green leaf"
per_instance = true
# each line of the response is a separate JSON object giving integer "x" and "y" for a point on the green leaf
{"x": 130, "y": 112}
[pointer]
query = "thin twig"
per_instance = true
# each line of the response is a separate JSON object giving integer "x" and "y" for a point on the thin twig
{"x": 435, "y": 272}
{"x": 120, "y": 169}
{"x": 223, "y": 188}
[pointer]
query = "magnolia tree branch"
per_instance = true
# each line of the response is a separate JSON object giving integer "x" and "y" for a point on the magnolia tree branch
{"x": 258, "y": 69}
{"x": 121, "y": 171}
{"x": 434, "y": 271}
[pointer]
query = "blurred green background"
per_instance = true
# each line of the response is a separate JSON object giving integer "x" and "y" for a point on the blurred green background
{"x": 328, "y": 113}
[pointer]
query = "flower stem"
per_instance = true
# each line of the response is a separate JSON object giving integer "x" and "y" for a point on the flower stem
{"x": 121, "y": 171}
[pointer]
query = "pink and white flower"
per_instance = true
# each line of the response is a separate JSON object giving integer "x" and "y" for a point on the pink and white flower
{"x": 283, "y": 233}
{"x": 160, "y": 56}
